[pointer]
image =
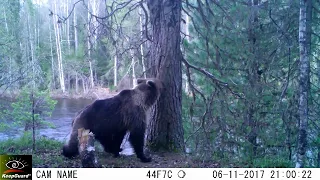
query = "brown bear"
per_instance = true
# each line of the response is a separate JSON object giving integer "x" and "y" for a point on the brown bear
{"x": 111, "y": 118}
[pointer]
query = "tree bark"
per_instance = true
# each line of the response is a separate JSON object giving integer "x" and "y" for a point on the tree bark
{"x": 304, "y": 66}
{"x": 253, "y": 79}
{"x": 166, "y": 131}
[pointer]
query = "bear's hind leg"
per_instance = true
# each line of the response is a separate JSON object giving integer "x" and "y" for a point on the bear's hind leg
{"x": 116, "y": 143}
{"x": 137, "y": 141}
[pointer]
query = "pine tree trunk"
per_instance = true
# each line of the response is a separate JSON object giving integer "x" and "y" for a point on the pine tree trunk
{"x": 304, "y": 46}
{"x": 166, "y": 131}
{"x": 253, "y": 79}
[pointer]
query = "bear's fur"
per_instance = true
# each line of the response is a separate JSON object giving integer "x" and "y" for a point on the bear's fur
{"x": 110, "y": 119}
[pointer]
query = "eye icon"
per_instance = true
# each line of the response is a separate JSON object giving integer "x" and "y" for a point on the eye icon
{"x": 14, "y": 164}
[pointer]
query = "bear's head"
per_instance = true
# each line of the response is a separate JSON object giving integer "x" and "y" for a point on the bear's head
{"x": 147, "y": 91}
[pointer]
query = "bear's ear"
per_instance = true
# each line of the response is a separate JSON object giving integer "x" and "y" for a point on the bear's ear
{"x": 151, "y": 83}
{"x": 140, "y": 80}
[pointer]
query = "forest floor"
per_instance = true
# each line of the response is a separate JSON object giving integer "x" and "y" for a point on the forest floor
{"x": 163, "y": 160}
{"x": 48, "y": 155}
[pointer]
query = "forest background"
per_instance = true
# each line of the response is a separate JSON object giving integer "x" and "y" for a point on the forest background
{"x": 244, "y": 74}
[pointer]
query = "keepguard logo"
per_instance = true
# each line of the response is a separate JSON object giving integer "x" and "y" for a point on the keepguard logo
{"x": 15, "y": 167}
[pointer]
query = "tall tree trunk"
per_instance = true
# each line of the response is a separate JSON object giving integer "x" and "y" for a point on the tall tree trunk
{"x": 32, "y": 52}
{"x": 94, "y": 21}
{"x": 10, "y": 58}
{"x": 77, "y": 86}
{"x": 89, "y": 50}
{"x": 166, "y": 131}
{"x": 52, "y": 61}
{"x": 186, "y": 87}
{"x": 75, "y": 29}
{"x": 58, "y": 49}
{"x": 253, "y": 78}
{"x": 68, "y": 26}
{"x": 133, "y": 63}
{"x": 38, "y": 25}
{"x": 141, "y": 45}
{"x": 115, "y": 70}
{"x": 304, "y": 46}
{"x": 83, "y": 85}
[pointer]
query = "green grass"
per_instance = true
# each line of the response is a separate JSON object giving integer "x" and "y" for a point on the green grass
{"x": 23, "y": 145}
{"x": 272, "y": 162}
{"x": 47, "y": 153}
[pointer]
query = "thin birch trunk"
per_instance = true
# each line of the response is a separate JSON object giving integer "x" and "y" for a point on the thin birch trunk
{"x": 75, "y": 30}
{"x": 141, "y": 45}
{"x": 32, "y": 52}
{"x": 94, "y": 22}
{"x": 58, "y": 46}
{"x": 187, "y": 88}
{"x": 77, "y": 86}
{"x": 52, "y": 61}
{"x": 115, "y": 72}
{"x": 10, "y": 58}
{"x": 83, "y": 85}
{"x": 68, "y": 26}
{"x": 38, "y": 25}
{"x": 89, "y": 50}
{"x": 134, "y": 79}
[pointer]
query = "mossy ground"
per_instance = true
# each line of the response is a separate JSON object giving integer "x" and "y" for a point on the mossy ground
{"x": 48, "y": 154}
